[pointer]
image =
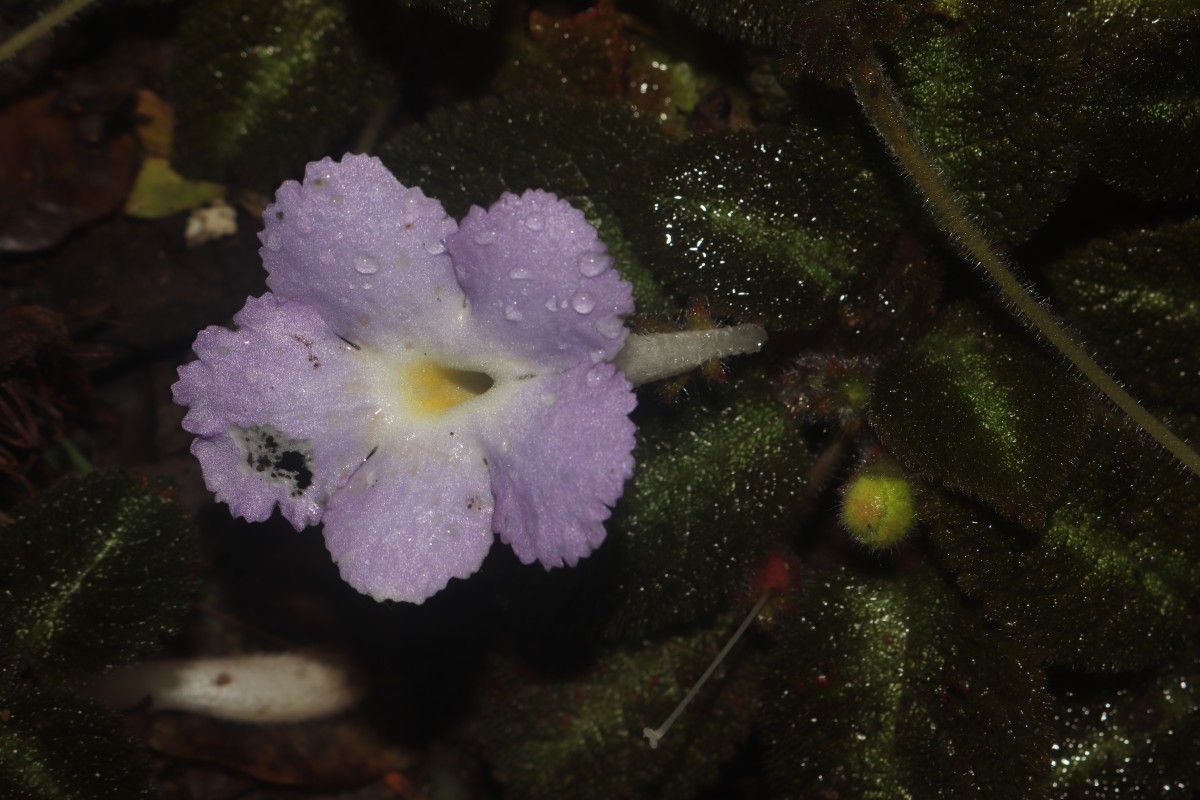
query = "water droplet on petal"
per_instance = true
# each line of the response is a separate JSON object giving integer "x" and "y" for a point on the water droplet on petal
{"x": 336, "y": 199}
{"x": 512, "y": 313}
{"x": 583, "y": 303}
{"x": 484, "y": 236}
{"x": 594, "y": 376}
{"x": 326, "y": 258}
{"x": 520, "y": 275}
{"x": 592, "y": 264}
{"x": 597, "y": 356}
{"x": 435, "y": 248}
{"x": 552, "y": 304}
{"x": 535, "y": 222}
{"x": 366, "y": 265}
{"x": 610, "y": 327}
{"x": 274, "y": 242}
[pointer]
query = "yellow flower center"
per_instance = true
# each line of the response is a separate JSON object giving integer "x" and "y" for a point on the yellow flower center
{"x": 432, "y": 389}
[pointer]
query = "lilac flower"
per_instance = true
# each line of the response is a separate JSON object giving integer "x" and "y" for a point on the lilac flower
{"x": 419, "y": 385}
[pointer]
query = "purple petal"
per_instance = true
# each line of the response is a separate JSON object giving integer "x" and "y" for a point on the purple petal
{"x": 560, "y": 463}
{"x": 415, "y": 516}
{"x": 269, "y": 405}
{"x": 368, "y": 253}
{"x": 540, "y": 281}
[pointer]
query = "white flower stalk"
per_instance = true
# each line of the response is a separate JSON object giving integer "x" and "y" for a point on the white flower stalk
{"x": 655, "y": 356}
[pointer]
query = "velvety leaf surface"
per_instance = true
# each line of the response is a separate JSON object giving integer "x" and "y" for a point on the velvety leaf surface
{"x": 1100, "y": 26}
{"x": 475, "y": 13}
{"x": 97, "y": 572}
{"x": 713, "y": 488}
{"x": 979, "y": 407}
{"x": 575, "y": 148}
{"x": 767, "y": 227}
{"x": 984, "y": 84}
{"x": 1107, "y": 584}
{"x": 261, "y": 88}
{"x": 818, "y": 37}
{"x": 54, "y": 746}
{"x": 765, "y": 24}
{"x": 1136, "y": 298}
{"x": 1139, "y": 130}
{"x": 581, "y": 736}
{"x": 886, "y": 689}
{"x": 1136, "y": 741}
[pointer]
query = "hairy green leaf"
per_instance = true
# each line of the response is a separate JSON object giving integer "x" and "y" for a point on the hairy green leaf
{"x": 475, "y": 13}
{"x": 1140, "y": 113}
{"x": 54, "y": 746}
{"x": 984, "y": 84}
{"x": 770, "y": 226}
{"x": 978, "y": 407}
{"x": 890, "y": 689}
{"x": 713, "y": 489}
{"x": 576, "y": 148}
{"x": 816, "y": 37}
{"x": 1136, "y": 741}
{"x": 96, "y": 573}
{"x": 581, "y": 736}
{"x": 1136, "y": 297}
{"x": 1106, "y": 585}
{"x": 1100, "y": 26}
{"x": 262, "y": 88}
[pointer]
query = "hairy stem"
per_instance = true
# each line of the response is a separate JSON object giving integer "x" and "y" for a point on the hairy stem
{"x": 43, "y": 25}
{"x": 886, "y": 113}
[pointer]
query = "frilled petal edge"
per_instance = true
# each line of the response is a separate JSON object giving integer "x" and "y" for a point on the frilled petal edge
{"x": 561, "y": 463}
{"x": 268, "y": 404}
{"x": 365, "y": 251}
{"x": 540, "y": 281}
{"x": 416, "y": 515}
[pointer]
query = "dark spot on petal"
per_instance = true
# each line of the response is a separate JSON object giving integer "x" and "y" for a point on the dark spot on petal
{"x": 295, "y": 463}
{"x": 281, "y": 461}
{"x": 224, "y": 679}
{"x": 279, "y": 216}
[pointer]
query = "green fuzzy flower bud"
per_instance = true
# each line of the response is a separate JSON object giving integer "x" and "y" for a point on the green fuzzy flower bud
{"x": 879, "y": 509}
